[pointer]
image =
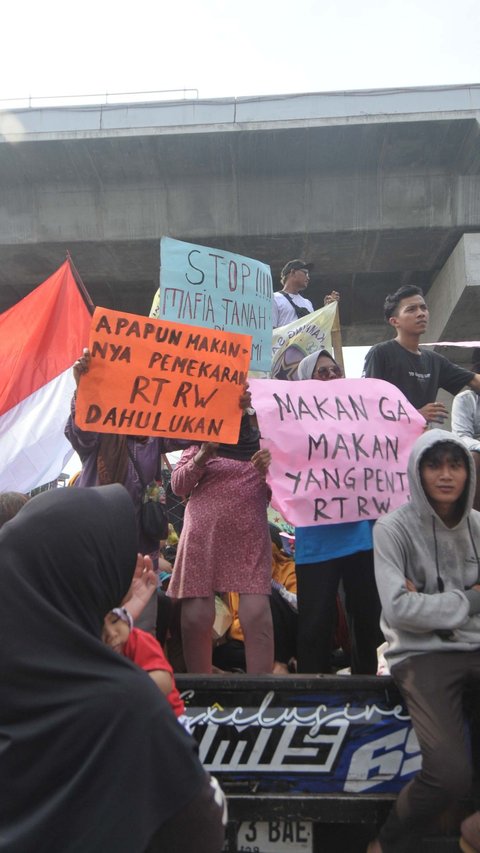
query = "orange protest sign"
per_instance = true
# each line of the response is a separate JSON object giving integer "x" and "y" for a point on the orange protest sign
{"x": 161, "y": 378}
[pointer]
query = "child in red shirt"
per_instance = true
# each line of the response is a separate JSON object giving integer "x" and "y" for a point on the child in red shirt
{"x": 144, "y": 650}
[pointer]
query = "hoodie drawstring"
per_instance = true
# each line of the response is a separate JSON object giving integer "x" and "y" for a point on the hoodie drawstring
{"x": 440, "y": 583}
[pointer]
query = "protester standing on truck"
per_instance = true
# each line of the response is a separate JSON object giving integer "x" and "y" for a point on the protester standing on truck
{"x": 325, "y": 554}
{"x": 427, "y": 566}
{"x": 224, "y": 546}
{"x": 417, "y": 371}
{"x": 134, "y": 461}
{"x": 288, "y": 303}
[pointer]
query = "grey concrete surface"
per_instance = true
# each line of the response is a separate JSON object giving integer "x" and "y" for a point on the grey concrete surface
{"x": 376, "y": 188}
{"x": 455, "y": 294}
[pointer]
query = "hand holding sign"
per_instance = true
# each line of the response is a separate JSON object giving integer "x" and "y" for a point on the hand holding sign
{"x": 208, "y": 449}
{"x": 339, "y": 448}
{"x": 151, "y": 377}
{"x": 81, "y": 365}
{"x": 261, "y": 461}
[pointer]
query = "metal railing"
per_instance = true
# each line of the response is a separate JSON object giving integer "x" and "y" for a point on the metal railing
{"x": 97, "y": 98}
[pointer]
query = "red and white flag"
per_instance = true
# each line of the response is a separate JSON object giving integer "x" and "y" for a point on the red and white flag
{"x": 40, "y": 338}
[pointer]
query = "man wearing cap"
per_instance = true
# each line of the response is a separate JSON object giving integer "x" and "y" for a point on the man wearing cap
{"x": 288, "y": 303}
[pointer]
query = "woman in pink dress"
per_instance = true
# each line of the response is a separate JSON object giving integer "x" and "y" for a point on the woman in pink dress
{"x": 224, "y": 547}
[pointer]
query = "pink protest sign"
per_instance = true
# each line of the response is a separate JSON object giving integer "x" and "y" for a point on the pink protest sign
{"x": 339, "y": 449}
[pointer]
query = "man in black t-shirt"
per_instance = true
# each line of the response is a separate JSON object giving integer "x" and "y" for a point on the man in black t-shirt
{"x": 416, "y": 371}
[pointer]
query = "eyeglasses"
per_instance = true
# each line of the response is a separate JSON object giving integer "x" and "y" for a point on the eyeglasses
{"x": 307, "y": 272}
{"x": 326, "y": 373}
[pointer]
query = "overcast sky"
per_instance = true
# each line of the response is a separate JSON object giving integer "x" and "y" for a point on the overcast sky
{"x": 225, "y": 48}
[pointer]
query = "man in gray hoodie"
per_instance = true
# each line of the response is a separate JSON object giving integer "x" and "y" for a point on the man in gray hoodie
{"x": 427, "y": 568}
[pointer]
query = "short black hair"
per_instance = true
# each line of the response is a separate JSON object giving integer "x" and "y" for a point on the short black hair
{"x": 275, "y": 536}
{"x": 441, "y": 449}
{"x": 393, "y": 299}
{"x": 10, "y": 504}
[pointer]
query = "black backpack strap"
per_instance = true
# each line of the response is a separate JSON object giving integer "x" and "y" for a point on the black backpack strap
{"x": 287, "y": 296}
{"x": 300, "y": 312}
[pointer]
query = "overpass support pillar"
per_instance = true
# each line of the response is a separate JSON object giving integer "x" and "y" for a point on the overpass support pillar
{"x": 454, "y": 298}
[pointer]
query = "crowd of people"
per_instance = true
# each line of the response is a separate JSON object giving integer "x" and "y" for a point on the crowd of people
{"x": 98, "y": 593}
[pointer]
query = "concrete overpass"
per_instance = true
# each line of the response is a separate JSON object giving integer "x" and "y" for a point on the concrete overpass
{"x": 377, "y": 188}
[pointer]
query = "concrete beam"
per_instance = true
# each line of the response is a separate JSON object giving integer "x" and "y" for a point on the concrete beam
{"x": 454, "y": 300}
{"x": 375, "y": 187}
{"x": 271, "y": 111}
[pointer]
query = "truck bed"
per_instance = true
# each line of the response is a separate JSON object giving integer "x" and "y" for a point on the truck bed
{"x": 319, "y": 755}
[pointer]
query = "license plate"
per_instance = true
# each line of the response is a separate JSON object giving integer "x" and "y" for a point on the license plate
{"x": 275, "y": 836}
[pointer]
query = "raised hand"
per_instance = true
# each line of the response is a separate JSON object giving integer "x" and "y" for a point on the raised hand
{"x": 81, "y": 365}
{"x": 434, "y": 412}
{"x": 143, "y": 586}
{"x": 245, "y": 400}
{"x": 334, "y": 296}
{"x": 261, "y": 460}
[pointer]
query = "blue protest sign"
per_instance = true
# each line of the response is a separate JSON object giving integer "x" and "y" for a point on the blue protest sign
{"x": 220, "y": 290}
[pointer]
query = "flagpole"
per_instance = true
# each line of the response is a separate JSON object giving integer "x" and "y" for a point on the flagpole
{"x": 78, "y": 281}
{"x": 336, "y": 335}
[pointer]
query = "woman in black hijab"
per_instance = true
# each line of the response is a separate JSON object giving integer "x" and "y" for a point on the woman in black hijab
{"x": 92, "y": 759}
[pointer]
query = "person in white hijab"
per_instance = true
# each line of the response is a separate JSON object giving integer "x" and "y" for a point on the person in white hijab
{"x": 326, "y": 554}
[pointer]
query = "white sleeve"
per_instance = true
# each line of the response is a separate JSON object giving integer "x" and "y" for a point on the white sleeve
{"x": 275, "y": 322}
{"x": 464, "y": 409}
